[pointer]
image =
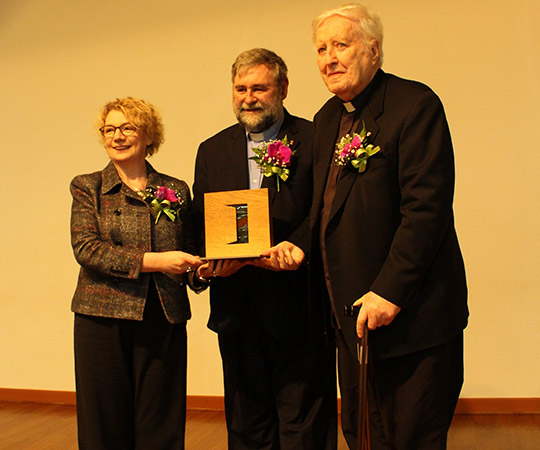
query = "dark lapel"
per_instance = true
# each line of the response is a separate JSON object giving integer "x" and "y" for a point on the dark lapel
{"x": 368, "y": 116}
{"x": 326, "y": 147}
{"x": 235, "y": 158}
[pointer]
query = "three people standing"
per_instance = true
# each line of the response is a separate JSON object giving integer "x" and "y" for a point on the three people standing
{"x": 365, "y": 218}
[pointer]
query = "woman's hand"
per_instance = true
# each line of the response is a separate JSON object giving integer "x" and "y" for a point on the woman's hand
{"x": 175, "y": 262}
{"x": 221, "y": 267}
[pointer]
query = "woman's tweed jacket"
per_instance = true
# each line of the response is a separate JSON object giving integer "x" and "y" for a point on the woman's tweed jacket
{"x": 111, "y": 229}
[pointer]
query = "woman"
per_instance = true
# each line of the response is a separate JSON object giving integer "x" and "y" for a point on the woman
{"x": 129, "y": 227}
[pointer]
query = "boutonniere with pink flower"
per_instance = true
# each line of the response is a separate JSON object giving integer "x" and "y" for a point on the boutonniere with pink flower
{"x": 355, "y": 150}
{"x": 163, "y": 201}
{"x": 274, "y": 158}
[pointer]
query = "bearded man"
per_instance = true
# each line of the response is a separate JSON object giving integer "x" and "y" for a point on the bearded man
{"x": 278, "y": 361}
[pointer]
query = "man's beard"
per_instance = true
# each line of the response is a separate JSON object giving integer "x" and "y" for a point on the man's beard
{"x": 268, "y": 115}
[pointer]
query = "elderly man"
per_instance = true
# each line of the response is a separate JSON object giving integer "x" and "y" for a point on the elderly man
{"x": 383, "y": 238}
{"x": 278, "y": 362}
{"x": 385, "y": 233}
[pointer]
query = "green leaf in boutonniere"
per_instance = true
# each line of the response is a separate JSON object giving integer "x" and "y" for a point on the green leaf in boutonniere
{"x": 355, "y": 150}
{"x": 274, "y": 158}
{"x": 163, "y": 201}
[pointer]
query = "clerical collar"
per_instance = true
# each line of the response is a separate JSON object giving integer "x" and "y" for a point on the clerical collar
{"x": 349, "y": 107}
{"x": 266, "y": 135}
{"x": 361, "y": 99}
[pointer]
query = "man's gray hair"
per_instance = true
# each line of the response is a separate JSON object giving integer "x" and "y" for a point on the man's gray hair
{"x": 368, "y": 24}
{"x": 256, "y": 56}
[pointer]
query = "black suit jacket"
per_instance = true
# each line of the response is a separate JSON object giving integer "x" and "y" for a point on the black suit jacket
{"x": 276, "y": 300}
{"x": 391, "y": 228}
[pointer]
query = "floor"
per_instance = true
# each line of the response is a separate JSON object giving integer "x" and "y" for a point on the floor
{"x": 27, "y": 426}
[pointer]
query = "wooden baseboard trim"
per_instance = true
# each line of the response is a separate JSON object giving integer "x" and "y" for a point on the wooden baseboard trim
{"x": 525, "y": 405}
{"x": 215, "y": 403}
{"x": 205, "y": 402}
{"x": 37, "y": 396}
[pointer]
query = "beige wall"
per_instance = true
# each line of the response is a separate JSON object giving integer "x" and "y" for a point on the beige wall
{"x": 61, "y": 60}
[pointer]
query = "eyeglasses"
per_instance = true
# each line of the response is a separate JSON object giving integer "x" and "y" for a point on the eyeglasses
{"x": 126, "y": 129}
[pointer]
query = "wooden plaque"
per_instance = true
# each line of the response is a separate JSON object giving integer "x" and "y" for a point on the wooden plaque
{"x": 237, "y": 223}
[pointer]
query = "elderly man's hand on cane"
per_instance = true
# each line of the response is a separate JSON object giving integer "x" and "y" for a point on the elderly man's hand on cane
{"x": 375, "y": 312}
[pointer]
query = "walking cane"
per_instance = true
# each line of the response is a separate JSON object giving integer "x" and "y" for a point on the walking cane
{"x": 363, "y": 441}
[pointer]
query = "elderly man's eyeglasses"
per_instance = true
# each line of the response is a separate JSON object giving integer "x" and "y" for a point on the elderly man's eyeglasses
{"x": 126, "y": 129}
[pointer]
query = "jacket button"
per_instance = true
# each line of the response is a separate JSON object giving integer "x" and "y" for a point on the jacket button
{"x": 117, "y": 212}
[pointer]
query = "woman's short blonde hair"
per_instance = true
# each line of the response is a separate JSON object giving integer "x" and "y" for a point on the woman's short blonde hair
{"x": 141, "y": 114}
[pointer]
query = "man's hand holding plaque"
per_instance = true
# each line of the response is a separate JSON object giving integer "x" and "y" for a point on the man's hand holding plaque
{"x": 284, "y": 256}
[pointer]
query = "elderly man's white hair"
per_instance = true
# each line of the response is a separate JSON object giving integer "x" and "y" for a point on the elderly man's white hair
{"x": 368, "y": 24}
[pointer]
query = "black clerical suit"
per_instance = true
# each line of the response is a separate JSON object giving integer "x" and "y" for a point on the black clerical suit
{"x": 279, "y": 364}
{"x": 390, "y": 230}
